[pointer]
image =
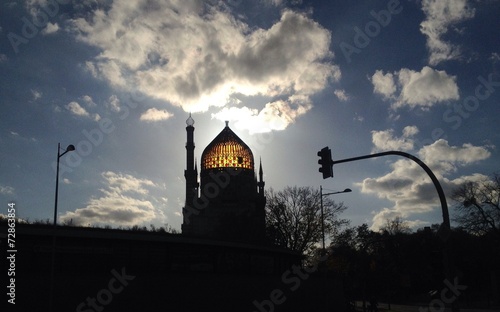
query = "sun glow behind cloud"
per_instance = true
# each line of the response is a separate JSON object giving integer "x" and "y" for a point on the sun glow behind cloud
{"x": 205, "y": 57}
{"x": 262, "y": 65}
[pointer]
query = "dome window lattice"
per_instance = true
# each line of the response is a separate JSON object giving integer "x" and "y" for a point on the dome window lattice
{"x": 227, "y": 150}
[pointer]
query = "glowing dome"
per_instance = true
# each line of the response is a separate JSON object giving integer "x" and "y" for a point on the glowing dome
{"x": 227, "y": 150}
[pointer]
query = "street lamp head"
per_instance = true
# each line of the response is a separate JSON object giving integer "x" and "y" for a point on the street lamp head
{"x": 70, "y": 148}
{"x": 347, "y": 190}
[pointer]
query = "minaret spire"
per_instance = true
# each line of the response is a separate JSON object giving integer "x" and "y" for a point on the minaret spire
{"x": 191, "y": 173}
{"x": 260, "y": 169}
{"x": 261, "y": 182}
{"x": 196, "y": 176}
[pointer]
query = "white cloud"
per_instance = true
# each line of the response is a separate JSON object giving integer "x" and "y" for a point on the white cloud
{"x": 440, "y": 15}
{"x": 385, "y": 141}
{"x": 89, "y": 102}
{"x": 76, "y": 109}
{"x": 154, "y": 114}
{"x": 358, "y": 118}
{"x": 203, "y": 57}
{"x": 125, "y": 202}
{"x": 341, "y": 95}
{"x": 446, "y": 158}
{"x": 121, "y": 183}
{"x": 494, "y": 57}
{"x": 36, "y": 94}
{"x": 114, "y": 103}
{"x": 276, "y": 2}
{"x": 6, "y": 190}
{"x": 274, "y": 116}
{"x": 383, "y": 84}
{"x": 416, "y": 89}
{"x": 408, "y": 186}
{"x": 50, "y": 29}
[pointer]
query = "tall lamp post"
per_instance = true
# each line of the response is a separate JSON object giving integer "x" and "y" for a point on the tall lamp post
{"x": 347, "y": 190}
{"x": 70, "y": 148}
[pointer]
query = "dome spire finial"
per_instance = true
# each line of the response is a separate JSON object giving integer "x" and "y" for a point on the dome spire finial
{"x": 190, "y": 121}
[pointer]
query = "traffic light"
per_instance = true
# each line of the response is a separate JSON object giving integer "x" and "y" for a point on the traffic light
{"x": 326, "y": 162}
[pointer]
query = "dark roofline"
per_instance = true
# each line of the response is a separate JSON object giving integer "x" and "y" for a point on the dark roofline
{"x": 116, "y": 234}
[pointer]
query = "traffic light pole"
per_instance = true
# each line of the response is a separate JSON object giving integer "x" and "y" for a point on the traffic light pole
{"x": 437, "y": 185}
{"x": 444, "y": 206}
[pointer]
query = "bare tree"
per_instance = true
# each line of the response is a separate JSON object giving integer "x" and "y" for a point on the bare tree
{"x": 293, "y": 217}
{"x": 477, "y": 206}
{"x": 396, "y": 226}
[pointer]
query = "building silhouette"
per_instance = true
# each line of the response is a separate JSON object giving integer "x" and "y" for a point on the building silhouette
{"x": 220, "y": 260}
{"x": 229, "y": 202}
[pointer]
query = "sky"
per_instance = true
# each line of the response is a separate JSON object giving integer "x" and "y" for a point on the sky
{"x": 118, "y": 79}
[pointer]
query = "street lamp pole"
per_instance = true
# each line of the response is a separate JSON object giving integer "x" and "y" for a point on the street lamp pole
{"x": 347, "y": 190}
{"x": 70, "y": 148}
{"x": 322, "y": 219}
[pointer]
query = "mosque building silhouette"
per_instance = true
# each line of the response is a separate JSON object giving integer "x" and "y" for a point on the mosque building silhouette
{"x": 221, "y": 260}
{"x": 229, "y": 203}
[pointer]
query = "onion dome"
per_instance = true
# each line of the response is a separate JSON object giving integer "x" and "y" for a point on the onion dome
{"x": 227, "y": 150}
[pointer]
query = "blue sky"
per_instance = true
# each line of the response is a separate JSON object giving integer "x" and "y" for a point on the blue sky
{"x": 118, "y": 79}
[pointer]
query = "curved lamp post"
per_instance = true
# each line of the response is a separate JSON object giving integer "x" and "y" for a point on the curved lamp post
{"x": 444, "y": 230}
{"x": 437, "y": 185}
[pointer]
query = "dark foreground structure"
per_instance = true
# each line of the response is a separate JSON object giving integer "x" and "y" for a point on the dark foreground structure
{"x": 221, "y": 261}
{"x": 117, "y": 270}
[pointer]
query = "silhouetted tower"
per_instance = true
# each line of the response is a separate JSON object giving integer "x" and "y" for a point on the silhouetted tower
{"x": 231, "y": 202}
{"x": 191, "y": 172}
{"x": 261, "y": 180}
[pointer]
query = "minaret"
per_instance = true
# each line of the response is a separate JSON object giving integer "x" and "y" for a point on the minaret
{"x": 197, "y": 185}
{"x": 190, "y": 173}
{"x": 261, "y": 182}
